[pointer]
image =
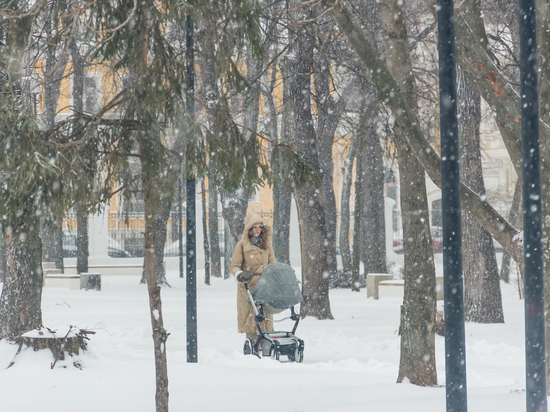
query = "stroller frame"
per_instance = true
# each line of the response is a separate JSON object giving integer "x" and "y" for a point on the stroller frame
{"x": 275, "y": 343}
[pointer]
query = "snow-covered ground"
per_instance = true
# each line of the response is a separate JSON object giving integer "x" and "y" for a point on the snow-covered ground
{"x": 350, "y": 364}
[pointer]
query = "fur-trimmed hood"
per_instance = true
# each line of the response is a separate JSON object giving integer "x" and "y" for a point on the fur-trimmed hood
{"x": 252, "y": 220}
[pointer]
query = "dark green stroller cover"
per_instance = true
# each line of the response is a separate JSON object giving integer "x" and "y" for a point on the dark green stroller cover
{"x": 277, "y": 289}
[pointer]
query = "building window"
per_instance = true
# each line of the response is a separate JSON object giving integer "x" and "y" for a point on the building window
{"x": 254, "y": 198}
{"x": 92, "y": 92}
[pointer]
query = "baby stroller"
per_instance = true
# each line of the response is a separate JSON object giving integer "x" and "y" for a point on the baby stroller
{"x": 276, "y": 291}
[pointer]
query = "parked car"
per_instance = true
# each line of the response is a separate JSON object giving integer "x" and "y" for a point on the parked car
{"x": 69, "y": 246}
{"x": 70, "y": 249}
{"x": 117, "y": 253}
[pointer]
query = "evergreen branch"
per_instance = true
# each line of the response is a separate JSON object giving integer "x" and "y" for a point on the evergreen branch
{"x": 120, "y": 26}
{"x": 92, "y": 123}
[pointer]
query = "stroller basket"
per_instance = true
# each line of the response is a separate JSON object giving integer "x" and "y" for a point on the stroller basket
{"x": 276, "y": 291}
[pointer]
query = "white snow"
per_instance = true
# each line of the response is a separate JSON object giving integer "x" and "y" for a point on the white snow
{"x": 350, "y": 363}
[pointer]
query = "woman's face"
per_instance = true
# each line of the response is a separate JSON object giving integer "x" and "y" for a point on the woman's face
{"x": 257, "y": 229}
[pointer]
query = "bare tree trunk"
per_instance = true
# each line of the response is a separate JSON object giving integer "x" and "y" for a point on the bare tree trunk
{"x": 513, "y": 219}
{"x": 282, "y": 193}
{"x": 417, "y": 362}
{"x": 229, "y": 247}
{"x": 234, "y": 206}
{"x": 328, "y": 116}
{"x": 482, "y": 297}
{"x": 81, "y": 211}
{"x": 373, "y": 226}
{"x": 53, "y": 75}
{"x": 3, "y": 259}
{"x": 359, "y": 195}
{"x": 81, "y": 240}
{"x": 213, "y": 229}
{"x": 205, "y": 236}
{"x": 161, "y": 233}
{"x": 311, "y": 214}
{"x": 345, "y": 205}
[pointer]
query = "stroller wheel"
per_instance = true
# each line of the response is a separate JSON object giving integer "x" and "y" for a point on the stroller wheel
{"x": 248, "y": 348}
{"x": 275, "y": 354}
{"x": 292, "y": 355}
{"x": 299, "y": 355}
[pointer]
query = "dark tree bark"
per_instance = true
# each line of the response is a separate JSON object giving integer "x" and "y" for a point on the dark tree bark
{"x": 373, "y": 228}
{"x": 482, "y": 297}
{"x": 417, "y": 362}
{"x": 21, "y": 298}
{"x": 81, "y": 240}
{"x": 309, "y": 199}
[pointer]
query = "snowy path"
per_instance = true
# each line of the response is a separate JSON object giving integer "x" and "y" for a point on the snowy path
{"x": 350, "y": 363}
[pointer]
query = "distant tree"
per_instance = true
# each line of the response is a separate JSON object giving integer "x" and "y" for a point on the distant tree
{"x": 373, "y": 228}
{"x": 347, "y": 174}
{"x": 282, "y": 189}
{"x": 206, "y": 246}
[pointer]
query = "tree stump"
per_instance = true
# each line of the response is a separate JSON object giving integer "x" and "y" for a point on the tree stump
{"x": 70, "y": 342}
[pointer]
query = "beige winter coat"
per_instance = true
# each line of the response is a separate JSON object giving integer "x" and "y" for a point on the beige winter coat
{"x": 253, "y": 259}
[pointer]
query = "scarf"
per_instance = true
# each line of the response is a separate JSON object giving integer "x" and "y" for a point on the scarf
{"x": 255, "y": 240}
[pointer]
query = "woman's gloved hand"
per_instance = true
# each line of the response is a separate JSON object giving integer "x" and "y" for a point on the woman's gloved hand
{"x": 244, "y": 277}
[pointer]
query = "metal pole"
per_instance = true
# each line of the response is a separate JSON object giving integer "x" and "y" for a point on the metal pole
{"x": 455, "y": 354}
{"x": 191, "y": 283}
{"x": 535, "y": 359}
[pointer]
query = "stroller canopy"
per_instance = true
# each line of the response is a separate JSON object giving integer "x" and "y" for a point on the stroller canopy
{"x": 278, "y": 288}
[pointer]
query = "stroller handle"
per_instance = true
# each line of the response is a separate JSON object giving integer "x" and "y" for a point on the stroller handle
{"x": 251, "y": 298}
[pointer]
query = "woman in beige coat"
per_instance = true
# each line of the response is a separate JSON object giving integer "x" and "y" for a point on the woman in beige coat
{"x": 252, "y": 254}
